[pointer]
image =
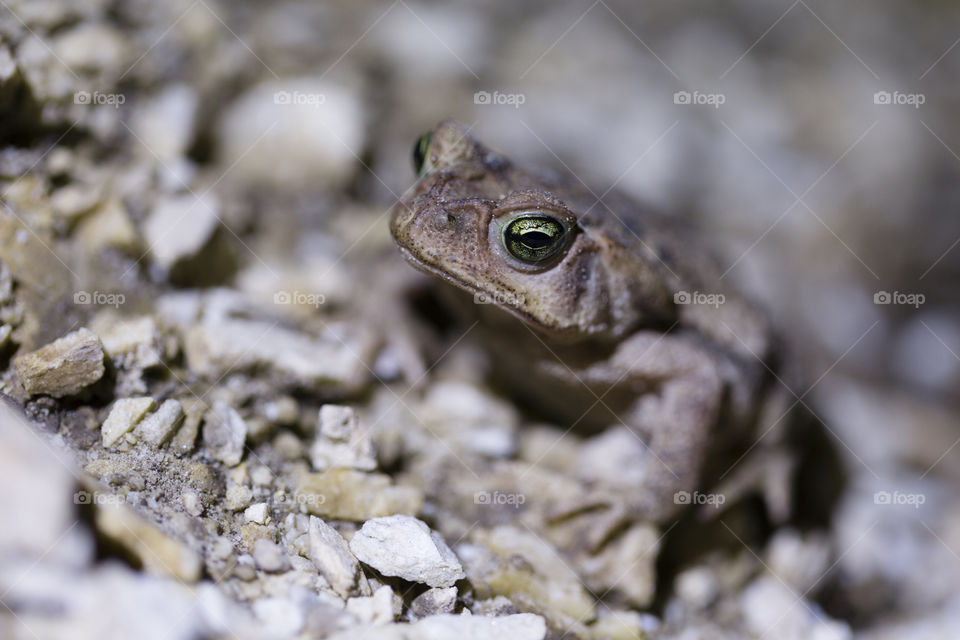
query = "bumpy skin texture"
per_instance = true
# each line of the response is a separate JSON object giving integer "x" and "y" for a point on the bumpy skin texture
{"x": 594, "y": 338}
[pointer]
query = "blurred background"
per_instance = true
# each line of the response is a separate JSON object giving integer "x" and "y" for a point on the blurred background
{"x": 815, "y": 143}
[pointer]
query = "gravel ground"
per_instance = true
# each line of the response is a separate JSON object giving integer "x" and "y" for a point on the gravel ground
{"x": 232, "y": 411}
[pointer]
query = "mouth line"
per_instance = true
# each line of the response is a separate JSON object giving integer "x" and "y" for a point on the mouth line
{"x": 428, "y": 268}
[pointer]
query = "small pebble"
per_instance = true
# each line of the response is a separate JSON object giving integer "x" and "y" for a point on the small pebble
{"x": 256, "y": 513}
{"x": 405, "y": 547}
{"x": 124, "y": 416}
{"x": 270, "y": 557}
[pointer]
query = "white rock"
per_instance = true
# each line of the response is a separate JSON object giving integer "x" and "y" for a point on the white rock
{"x": 38, "y": 481}
{"x": 770, "y": 608}
{"x": 157, "y": 428}
{"x": 192, "y": 503}
{"x": 295, "y": 358}
{"x": 332, "y": 557}
{"x": 799, "y": 561}
{"x": 130, "y": 342}
{"x": 281, "y": 618}
{"x": 337, "y": 422}
{"x": 8, "y": 70}
{"x": 291, "y": 133}
{"x": 269, "y": 556}
{"x": 108, "y": 227}
{"x": 124, "y": 416}
{"x": 405, "y": 547}
{"x": 697, "y": 587}
{"x": 256, "y": 513}
{"x": 376, "y": 609}
{"x": 224, "y": 434}
{"x": 261, "y": 476}
{"x": 141, "y": 606}
{"x": 340, "y": 442}
{"x": 91, "y": 45}
{"x": 165, "y": 124}
{"x": 180, "y": 226}
{"x": 520, "y": 626}
{"x": 238, "y": 496}
{"x": 480, "y": 421}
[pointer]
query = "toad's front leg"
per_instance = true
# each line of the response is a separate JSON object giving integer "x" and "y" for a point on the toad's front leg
{"x": 679, "y": 399}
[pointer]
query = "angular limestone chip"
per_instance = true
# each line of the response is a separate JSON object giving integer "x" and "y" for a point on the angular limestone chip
{"x": 332, "y": 557}
{"x": 406, "y": 547}
{"x": 341, "y": 443}
{"x": 157, "y": 428}
{"x": 64, "y": 367}
{"x": 180, "y": 226}
{"x": 374, "y": 610}
{"x": 224, "y": 434}
{"x": 346, "y": 494}
{"x": 158, "y": 552}
{"x": 124, "y": 416}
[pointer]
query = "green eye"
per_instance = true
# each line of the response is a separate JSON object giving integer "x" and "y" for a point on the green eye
{"x": 420, "y": 152}
{"x": 534, "y": 237}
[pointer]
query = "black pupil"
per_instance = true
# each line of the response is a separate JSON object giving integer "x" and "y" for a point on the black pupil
{"x": 420, "y": 151}
{"x": 536, "y": 239}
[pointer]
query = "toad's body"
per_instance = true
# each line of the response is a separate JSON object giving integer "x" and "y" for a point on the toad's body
{"x": 583, "y": 305}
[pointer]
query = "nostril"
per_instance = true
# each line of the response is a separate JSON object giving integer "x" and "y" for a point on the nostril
{"x": 445, "y": 219}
